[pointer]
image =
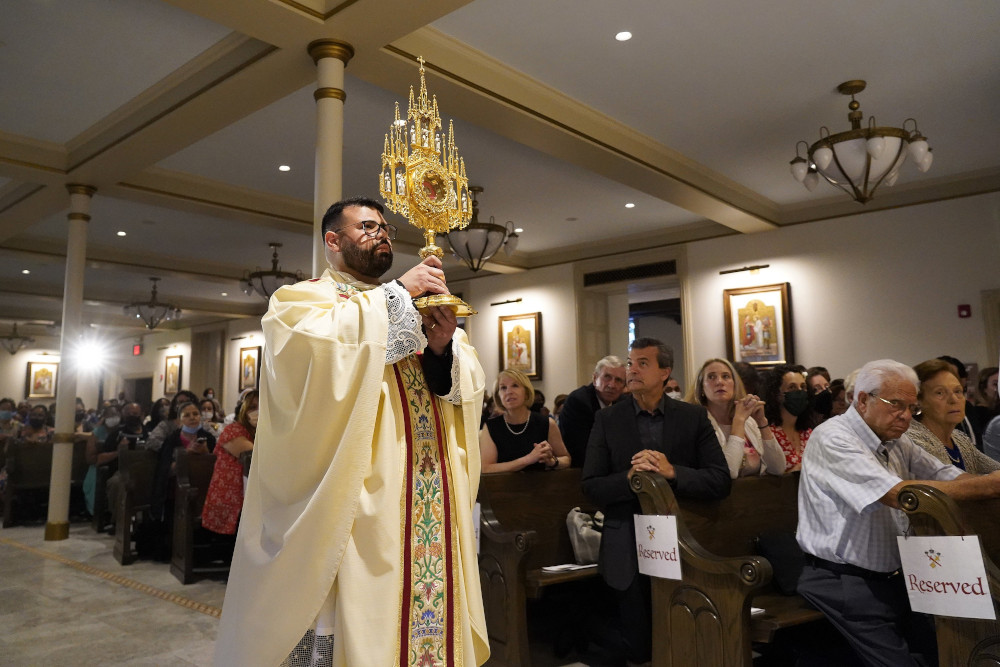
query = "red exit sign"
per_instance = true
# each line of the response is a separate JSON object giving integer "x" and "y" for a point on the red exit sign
{"x": 136, "y": 349}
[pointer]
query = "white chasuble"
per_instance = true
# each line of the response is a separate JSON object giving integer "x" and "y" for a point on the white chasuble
{"x": 357, "y": 520}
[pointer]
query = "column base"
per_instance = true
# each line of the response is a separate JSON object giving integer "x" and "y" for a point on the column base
{"x": 56, "y": 530}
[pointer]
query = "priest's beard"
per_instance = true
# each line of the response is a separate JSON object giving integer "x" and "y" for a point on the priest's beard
{"x": 366, "y": 262}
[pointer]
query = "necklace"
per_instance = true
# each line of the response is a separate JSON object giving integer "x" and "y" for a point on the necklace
{"x": 512, "y": 431}
{"x": 954, "y": 459}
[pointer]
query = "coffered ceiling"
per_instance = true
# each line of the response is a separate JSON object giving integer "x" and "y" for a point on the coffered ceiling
{"x": 179, "y": 112}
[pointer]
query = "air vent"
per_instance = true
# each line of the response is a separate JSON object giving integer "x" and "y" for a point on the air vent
{"x": 630, "y": 273}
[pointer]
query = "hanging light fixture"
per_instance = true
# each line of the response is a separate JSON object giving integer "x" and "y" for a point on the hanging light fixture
{"x": 476, "y": 243}
{"x": 265, "y": 283}
{"x": 153, "y": 312}
{"x": 13, "y": 342}
{"x": 859, "y": 160}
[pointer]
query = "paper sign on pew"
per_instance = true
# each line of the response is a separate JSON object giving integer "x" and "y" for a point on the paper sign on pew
{"x": 945, "y": 575}
{"x": 656, "y": 545}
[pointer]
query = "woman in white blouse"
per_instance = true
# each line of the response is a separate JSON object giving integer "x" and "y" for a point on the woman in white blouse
{"x": 738, "y": 419}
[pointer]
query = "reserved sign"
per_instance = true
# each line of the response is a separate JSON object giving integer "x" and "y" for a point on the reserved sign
{"x": 946, "y": 576}
{"x": 656, "y": 545}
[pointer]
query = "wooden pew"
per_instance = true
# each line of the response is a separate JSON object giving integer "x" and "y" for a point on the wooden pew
{"x": 136, "y": 468}
{"x": 29, "y": 469}
{"x": 102, "y": 513}
{"x": 961, "y": 641}
{"x": 192, "y": 551}
{"x": 523, "y": 529}
{"x": 705, "y": 619}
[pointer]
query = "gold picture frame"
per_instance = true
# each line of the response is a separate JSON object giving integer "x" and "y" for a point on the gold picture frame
{"x": 40, "y": 380}
{"x": 521, "y": 344}
{"x": 249, "y": 367}
{"x": 759, "y": 325}
{"x": 173, "y": 372}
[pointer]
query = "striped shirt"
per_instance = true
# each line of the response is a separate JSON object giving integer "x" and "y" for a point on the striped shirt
{"x": 846, "y": 470}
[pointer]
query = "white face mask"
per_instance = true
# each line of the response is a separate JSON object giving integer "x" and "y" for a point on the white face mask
{"x": 676, "y": 395}
{"x": 252, "y": 417}
{"x": 111, "y": 422}
{"x": 207, "y": 416}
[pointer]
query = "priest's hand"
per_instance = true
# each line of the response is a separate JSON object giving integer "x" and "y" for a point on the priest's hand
{"x": 439, "y": 326}
{"x": 427, "y": 277}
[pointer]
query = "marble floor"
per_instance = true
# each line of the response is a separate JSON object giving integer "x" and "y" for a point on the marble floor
{"x": 69, "y": 603}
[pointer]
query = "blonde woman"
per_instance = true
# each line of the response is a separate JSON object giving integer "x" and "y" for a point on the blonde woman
{"x": 519, "y": 439}
{"x": 738, "y": 419}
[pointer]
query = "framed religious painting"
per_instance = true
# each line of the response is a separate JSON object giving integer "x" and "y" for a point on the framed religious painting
{"x": 759, "y": 325}
{"x": 172, "y": 372}
{"x": 40, "y": 381}
{"x": 521, "y": 344}
{"x": 249, "y": 367}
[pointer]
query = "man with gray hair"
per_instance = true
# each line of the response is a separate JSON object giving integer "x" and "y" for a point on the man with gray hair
{"x": 577, "y": 416}
{"x": 849, "y": 517}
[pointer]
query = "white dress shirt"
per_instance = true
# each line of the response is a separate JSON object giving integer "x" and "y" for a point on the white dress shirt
{"x": 844, "y": 476}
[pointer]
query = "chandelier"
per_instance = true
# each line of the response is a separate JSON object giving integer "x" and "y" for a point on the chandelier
{"x": 861, "y": 159}
{"x": 479, "y": 241}
{"x": 13, "y": 342}
{"x": 153, "y": 312}
{"x": 265, "y": 283}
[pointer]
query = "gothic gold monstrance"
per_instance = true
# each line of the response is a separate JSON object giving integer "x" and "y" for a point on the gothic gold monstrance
{"x": 423, "y": 179}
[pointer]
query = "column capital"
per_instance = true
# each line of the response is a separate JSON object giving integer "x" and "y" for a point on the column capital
{"x": 80, "y": 189}
{"x": 330, "y": 48}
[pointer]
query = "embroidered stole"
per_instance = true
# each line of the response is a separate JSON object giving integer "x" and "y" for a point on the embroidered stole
{"x": 429, "y": 554}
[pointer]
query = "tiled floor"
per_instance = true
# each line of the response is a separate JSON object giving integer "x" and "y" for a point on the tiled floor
{"x": 69, "y": 603}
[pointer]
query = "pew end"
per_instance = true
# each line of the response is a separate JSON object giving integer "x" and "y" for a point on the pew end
{"x": 961, "y": 641}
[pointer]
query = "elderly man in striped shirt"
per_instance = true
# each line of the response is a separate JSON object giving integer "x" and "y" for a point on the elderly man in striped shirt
{"x": 852, "y": 471}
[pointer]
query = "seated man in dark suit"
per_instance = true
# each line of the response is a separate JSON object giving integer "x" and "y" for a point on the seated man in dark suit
{"x": 646, "y": 431}
{"x": 577, "y": 416}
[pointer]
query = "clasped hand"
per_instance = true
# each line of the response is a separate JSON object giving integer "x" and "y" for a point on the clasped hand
{"x": 542, "y": 451}
{"x": 650, "y": 460}
{"x": 750, "y": 407}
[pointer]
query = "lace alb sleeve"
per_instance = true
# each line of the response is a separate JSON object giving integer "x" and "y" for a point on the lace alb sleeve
{"x": 405, "y": 334}
{"x": 455, "y": 395}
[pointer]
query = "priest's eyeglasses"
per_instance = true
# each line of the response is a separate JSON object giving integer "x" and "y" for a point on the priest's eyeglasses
{"x": 372, "y": 228}
{"x": 898, "y": 406}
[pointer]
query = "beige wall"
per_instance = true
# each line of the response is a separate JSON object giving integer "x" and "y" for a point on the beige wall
{"x": 885, "y": 284}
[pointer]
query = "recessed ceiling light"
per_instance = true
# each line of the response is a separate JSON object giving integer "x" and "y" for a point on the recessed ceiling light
{"x": 121, "y": 233}
{"x": 519, "y": 230}
{"x": 25, "y": 271}
{"x": 623, "y": 36}
{"x": 284, "y": 167}
{"x": 225, "y": 293}
{"x": 630, "y": 205}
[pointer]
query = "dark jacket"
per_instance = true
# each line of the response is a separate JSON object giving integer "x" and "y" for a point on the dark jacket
{"x": 576, "y": 420}
{"x": 690, "y": 445}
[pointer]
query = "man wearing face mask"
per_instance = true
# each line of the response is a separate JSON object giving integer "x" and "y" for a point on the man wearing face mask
{"x": 130, "y": 432}
{"x": 788, "y": 412}
{"x": 577, "y": 417}
{"x": 673, "y": 389}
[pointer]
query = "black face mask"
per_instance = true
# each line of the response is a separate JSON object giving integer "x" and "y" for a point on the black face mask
{"x": 132, "y": 421}
{"x": 796, "y": 402}
{"x": 36, "y": 422}
{"x": 824, "y": 402}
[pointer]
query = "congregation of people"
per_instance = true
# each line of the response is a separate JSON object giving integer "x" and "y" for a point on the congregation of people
{"x": 736, "y": 421}
{"x": 184, "y": 421}
{"x": 732, "y": 420}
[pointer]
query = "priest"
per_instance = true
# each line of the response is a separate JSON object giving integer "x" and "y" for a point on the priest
{"x": 356, "y": 542}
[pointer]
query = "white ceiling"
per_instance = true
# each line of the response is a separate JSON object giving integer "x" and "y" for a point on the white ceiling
{"x": 180, "y": 111}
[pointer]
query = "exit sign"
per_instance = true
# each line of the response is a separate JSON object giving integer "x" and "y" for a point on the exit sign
{"x": 136, "y": 349}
